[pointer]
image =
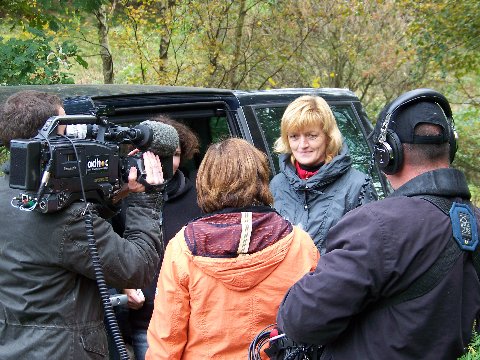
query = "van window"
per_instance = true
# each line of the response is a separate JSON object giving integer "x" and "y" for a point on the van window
{"x": 209, "y": 130}
{"x": 219, "y": 129}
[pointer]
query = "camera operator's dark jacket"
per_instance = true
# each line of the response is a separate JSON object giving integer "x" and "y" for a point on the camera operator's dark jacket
{"x": 50, "y": 306}
{"x": 377, "y": 251}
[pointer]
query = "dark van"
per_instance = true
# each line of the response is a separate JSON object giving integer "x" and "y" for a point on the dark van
{"x": 217, "y": 113}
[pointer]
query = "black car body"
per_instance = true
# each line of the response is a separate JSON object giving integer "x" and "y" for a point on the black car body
{"x": 217, "y": 113}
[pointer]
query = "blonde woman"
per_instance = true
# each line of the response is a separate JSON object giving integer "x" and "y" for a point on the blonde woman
{"x": 317, "y": 184}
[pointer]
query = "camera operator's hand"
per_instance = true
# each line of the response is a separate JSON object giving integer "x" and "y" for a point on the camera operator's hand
{"x": 153, "y": 169}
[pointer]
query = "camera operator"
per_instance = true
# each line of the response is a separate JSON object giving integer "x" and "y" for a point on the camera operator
{"x": 50, "y": 306}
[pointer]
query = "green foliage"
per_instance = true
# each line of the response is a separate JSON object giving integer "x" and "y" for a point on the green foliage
{"x": 42, "y": 14}
{"x": 473, "y": 349}
{"x": 467, "y": 124}
{"x": 37, "y": 60}
{"x": 449, "y": 34}
{"x": 3, "y": 157}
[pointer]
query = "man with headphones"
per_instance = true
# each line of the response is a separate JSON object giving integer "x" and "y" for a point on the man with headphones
{"x": 400, "y": 279}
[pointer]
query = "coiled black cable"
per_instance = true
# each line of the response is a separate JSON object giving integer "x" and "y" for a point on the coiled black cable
{"x": 110, "y": 317}
{"x": 280, "y": 347}
{"x": 257, "y": 344}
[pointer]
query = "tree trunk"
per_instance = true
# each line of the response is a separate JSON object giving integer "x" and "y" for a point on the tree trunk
{"x": 107, "y": 60}
{"x": 234, "y": 81}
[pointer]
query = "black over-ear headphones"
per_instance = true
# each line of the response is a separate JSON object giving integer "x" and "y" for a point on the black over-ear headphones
{"x": 388, "y": 150}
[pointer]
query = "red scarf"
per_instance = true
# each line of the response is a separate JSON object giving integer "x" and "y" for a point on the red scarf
{"x": 304, "y": 174}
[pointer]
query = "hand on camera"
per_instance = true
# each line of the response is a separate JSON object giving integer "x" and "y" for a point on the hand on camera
{"x": 154, "y": 173}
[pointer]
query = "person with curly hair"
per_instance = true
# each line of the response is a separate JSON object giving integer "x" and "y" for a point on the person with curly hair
{"x": 180, "y": 206}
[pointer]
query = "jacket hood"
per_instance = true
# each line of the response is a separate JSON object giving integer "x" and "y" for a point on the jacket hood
{"x": 327, "y": 174}
{"x": 218, "y": 246}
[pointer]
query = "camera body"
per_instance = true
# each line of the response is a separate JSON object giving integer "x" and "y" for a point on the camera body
{"x": 98, "y": 164}
{"x": 53, "y": 171}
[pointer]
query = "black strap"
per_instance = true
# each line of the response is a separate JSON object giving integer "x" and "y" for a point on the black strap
{"x": 445, "y": 205}
{"x": 437, "y": 271}
{"x": 476, "y": 261}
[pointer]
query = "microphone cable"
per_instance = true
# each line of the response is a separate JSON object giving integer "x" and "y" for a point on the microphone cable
{"x": 258, "y": 343}
{"x": 110, "y": 317}
{"x": 280, "y": 347}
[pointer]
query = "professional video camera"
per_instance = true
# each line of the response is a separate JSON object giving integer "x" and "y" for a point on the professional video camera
{"x": 55, "y": 170}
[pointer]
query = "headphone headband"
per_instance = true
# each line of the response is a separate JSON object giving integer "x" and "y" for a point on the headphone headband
{"x": 410, "y": 98}
{"x": 388, "y": 150}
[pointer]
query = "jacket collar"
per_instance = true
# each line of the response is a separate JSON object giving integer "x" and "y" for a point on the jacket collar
{"x": 218, "y": 235}
{"x": 176, "y": 186}
{"x": 441, "y": 182}
{"x": 327, "y": 174}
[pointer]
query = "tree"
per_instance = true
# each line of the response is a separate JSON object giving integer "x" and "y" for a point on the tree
{"x": 446, "y": 36}
{"x": 148, "y": 31}
{"x": 36, "y": 60}
{"x": 358, "y": 45}
{"x": 102, "y": 15}
{"x": 37, "y": 57}
{"x": 231, "y": 44}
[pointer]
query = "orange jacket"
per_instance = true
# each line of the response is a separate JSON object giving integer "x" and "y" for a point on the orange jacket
{"x": 212, "y": 308}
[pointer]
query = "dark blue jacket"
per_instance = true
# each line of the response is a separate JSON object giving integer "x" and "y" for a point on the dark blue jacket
{"x": 375, "y": 252}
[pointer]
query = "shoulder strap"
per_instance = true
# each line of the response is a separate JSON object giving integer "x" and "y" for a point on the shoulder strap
{"x": 432, "y": 277}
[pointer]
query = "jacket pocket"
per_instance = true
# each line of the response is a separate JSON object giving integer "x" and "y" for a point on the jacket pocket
{"x": 94, "y": 342}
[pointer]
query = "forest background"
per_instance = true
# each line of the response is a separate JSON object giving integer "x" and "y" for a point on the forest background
{"x": 376, "y": 48}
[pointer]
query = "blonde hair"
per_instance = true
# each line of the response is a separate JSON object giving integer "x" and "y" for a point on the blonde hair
{"x": 308, "y": 111}
{"x": 234, "y": 174}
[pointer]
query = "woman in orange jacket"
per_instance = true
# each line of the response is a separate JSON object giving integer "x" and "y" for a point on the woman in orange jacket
{"x": 225, "y": 274}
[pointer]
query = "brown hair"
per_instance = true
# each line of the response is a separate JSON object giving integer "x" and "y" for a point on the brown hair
{"x": 234, "y": 174}
{"x": 305, "y": 111}
{"x": 25, "y": 112}
{"x": 189, "y": 144}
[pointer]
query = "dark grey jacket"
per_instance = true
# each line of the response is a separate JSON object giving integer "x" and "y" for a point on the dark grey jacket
{"x": 50, "y": 306}
{"x": 316, "y": 204}
{"x": 373, "y": 253}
